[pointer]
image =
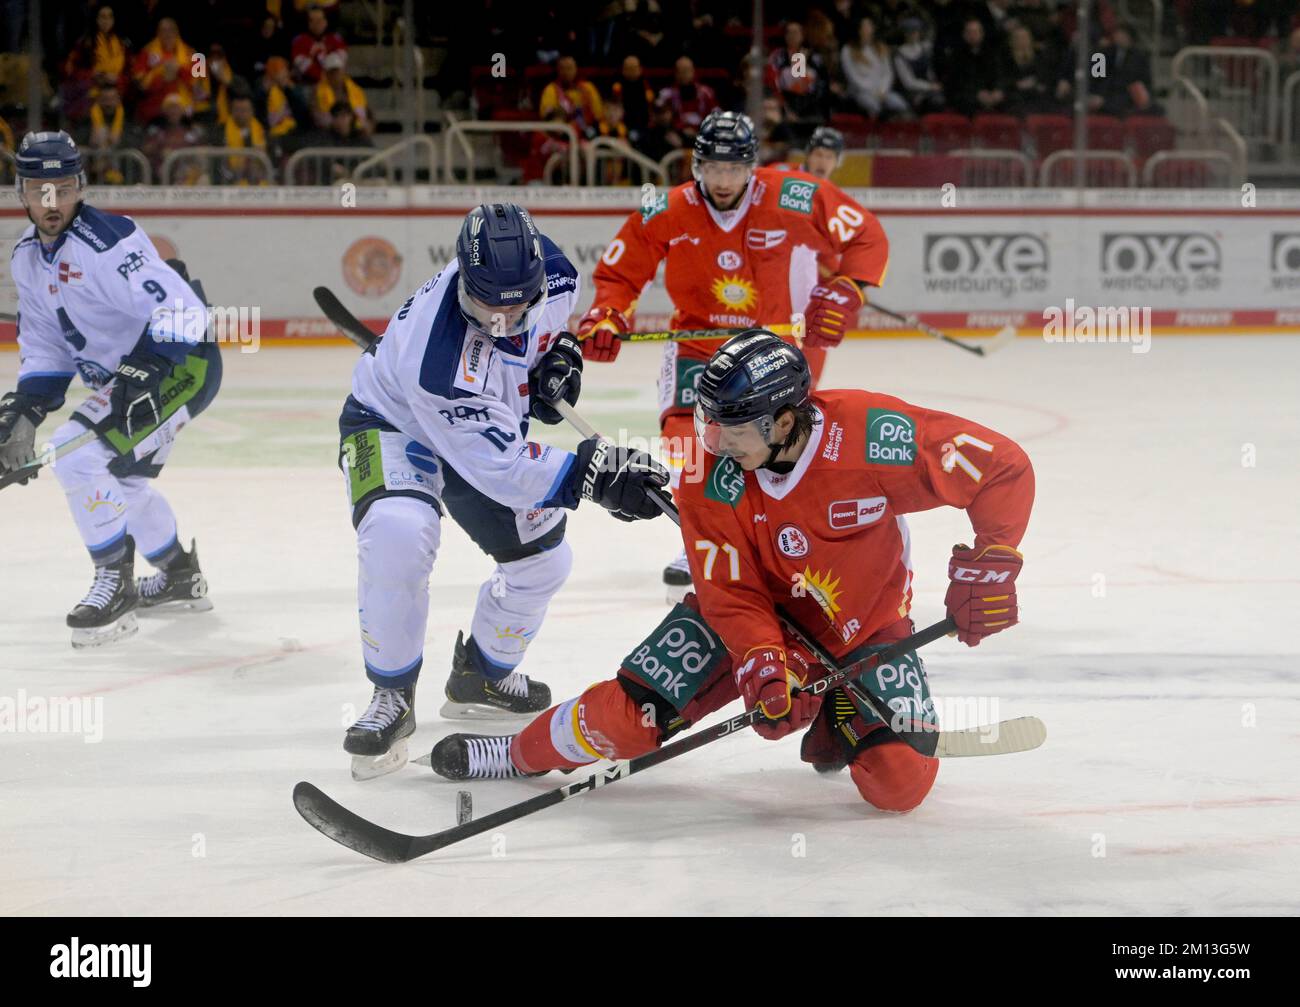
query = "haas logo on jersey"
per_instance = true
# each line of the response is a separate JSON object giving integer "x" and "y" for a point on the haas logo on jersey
{"x": 792, "y": 541}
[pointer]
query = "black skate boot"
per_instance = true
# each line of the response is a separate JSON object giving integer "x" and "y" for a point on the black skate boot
{"x": 107, "y": 613}
{"x": 470, "y": 696}
{"x": 475, "y": 757}
{"x": 180, "y": 586}
{"x": 677, "y": 578}
{"x": 377, "y": 741}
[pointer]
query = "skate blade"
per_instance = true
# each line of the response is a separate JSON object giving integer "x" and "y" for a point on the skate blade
{"x": 174, "y": 607}
{"x": 101, "y": 635}
{"x": 370, "y": 767}
{"x": 480, "y": 711}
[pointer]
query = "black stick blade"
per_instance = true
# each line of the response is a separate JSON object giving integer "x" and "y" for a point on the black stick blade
{"x": 329, "y": 818}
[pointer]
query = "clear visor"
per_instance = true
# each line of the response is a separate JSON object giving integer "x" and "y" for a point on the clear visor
{"x": 736, "y": 440}
{"x": 501, "y": 321}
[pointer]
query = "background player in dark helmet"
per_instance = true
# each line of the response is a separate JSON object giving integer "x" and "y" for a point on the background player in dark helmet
{"x": 760, "y": 239}
{"x": 825, "y": 148}
{"x": 95, "y": 299}
{"x": 437, "y": 423}
{"x": 798, "y": 502}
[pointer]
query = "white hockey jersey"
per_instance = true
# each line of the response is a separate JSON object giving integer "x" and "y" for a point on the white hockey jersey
{"x": 85, "y": 301}
{"x": 446, "y": 385}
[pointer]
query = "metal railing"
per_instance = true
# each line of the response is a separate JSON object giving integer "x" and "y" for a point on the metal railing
{"x": 1049, "y": 174}
{"x": 215, "y": 165}
{"x": 1238, "y": 83}
{"x": 1187, "y": 169}
{"x": 669, "y": 164}
{"x": 399, "y": 161}
{"x": 613, "y": 149}
{"x": 131, "y": 165}
{"x": 456, "y": 134}
{"x": 324, "y": 165}
{"x": 1288, "y": 113}
{"x": 991, "y": 168}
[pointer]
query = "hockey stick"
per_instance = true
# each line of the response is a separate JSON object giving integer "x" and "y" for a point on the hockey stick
{"x": 1018, "y": 735}
{"x": 46, "y": 459}
{"x": 344, "y": 320}
{"x": 349, "y": 829}
{"x": 1005, "y": 336}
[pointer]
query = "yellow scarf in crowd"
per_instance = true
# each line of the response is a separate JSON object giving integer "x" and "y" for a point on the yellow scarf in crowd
{"x": 97, "y": 123}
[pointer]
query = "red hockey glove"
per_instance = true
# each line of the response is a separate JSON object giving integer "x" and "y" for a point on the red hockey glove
{"x": 598, "y": 330}
{"x": 766, "y": 679}
{"x": 832, "y": 310}
{"x": 981, "y": 599}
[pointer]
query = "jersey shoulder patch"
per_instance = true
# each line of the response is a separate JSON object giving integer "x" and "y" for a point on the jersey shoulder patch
{"x": 455, "y": 360}
{"x": 561, "y": 275}
{"x": 100, "y": 230}
{"x": 27, "y": 238}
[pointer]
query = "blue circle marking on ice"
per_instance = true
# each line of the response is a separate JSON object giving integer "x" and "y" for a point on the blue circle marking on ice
{"x": 421, "y": 457}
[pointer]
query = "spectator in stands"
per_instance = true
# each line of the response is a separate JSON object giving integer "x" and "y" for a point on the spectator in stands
{"x": 107, "y": 130}
{"x": 336, "y": 86}
{"x": 800, "y": 76}
{"x": 212, "y": 91}
{"x": 312, "y": 46}
{"x": 1034, "y": 15}
{"x": 949, "y": 17}
{"x": 568, "y": 99}
{"x": 689, "y": 101}
{"x": 1029, "y": 76}
{"x": 992, "y": 15}
{"x": 1125, "y": 89}
{"x": 844, "y": 15}
{"x": 661, "y": 139}
{"x": 174, "y": 130}
{"x": 775, "y": 138}
{"x": 98, "y": 60}
{"x": 6, "y": 139}
{"x": 914, "y": 68}
{"x": 163, "y": 68}
{"x": 635, "y": 95}
{"x": 241, "y": 131}
{"x": 869, "y": 74}
{"x": 345, "y": 130}
{"x": 275, "y": 100}
{"x": 270, "y": 41}
{"x": 975, "y": 73}
{"x": 641, "y": 30}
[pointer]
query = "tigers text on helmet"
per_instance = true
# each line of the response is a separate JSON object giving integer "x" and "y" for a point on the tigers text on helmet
{"x": 501, "y": 288}
{"x": 725, "y": 138}
{"x": 748, "y": 381}
{"x": 47, "y": 156}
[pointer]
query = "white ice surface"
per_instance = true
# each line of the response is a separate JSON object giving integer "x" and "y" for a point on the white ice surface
{"x": 1158, "y": 643}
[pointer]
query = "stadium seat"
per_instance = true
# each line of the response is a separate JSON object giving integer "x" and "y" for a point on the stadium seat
{"x": 946, "y": 131}
{"x": 997, "y": 132}
{"x": 898, "y": 134}
{"x": 1148, "y": 134}
{"x": 1105, "y": 132}
{"x": 856, "y": 128}
{"x": 1049, "y": 133}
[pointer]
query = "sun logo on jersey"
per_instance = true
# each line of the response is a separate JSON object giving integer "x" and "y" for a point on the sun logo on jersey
{"x": 734, "y": 292}
{"x": 824, "y": 588}
{"x": 103, "y": 499}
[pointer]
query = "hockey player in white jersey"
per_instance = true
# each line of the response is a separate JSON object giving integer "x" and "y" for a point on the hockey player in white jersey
{"x": 95, "y": 299}
{"x": 437, "y": 423}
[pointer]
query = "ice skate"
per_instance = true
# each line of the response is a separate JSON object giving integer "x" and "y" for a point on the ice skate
{"x": 471, "y": 696}
{"x": 107, "y": 612}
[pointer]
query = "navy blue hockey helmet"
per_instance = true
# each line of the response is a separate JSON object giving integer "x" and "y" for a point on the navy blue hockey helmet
{"x": 748, "y": 381}
{"x": 48, "y": 155}
{"x": 502, "y": 283}
{"x": 827, "y": 138}
{"x": 723, "y": 136}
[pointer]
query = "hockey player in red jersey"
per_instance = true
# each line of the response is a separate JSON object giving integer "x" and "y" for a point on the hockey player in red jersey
{"x": 740, "y": 247}
{"x": 798, "y": 502}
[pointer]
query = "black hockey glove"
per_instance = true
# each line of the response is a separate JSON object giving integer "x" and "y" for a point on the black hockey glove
{"x": 558, "y": 375}
{"x": 20, "y": 415}
{"x": 619, "y": 479}
{"x": 136, "y": 399}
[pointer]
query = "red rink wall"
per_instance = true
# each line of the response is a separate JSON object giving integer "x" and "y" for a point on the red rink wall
{"x": 970, "y": 260}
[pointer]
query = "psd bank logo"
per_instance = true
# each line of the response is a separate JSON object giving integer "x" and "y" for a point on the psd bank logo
{"x": 1161, "y": 260}
{"x": 1284, "y": 260}
{"x": 1000, "y": 263}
